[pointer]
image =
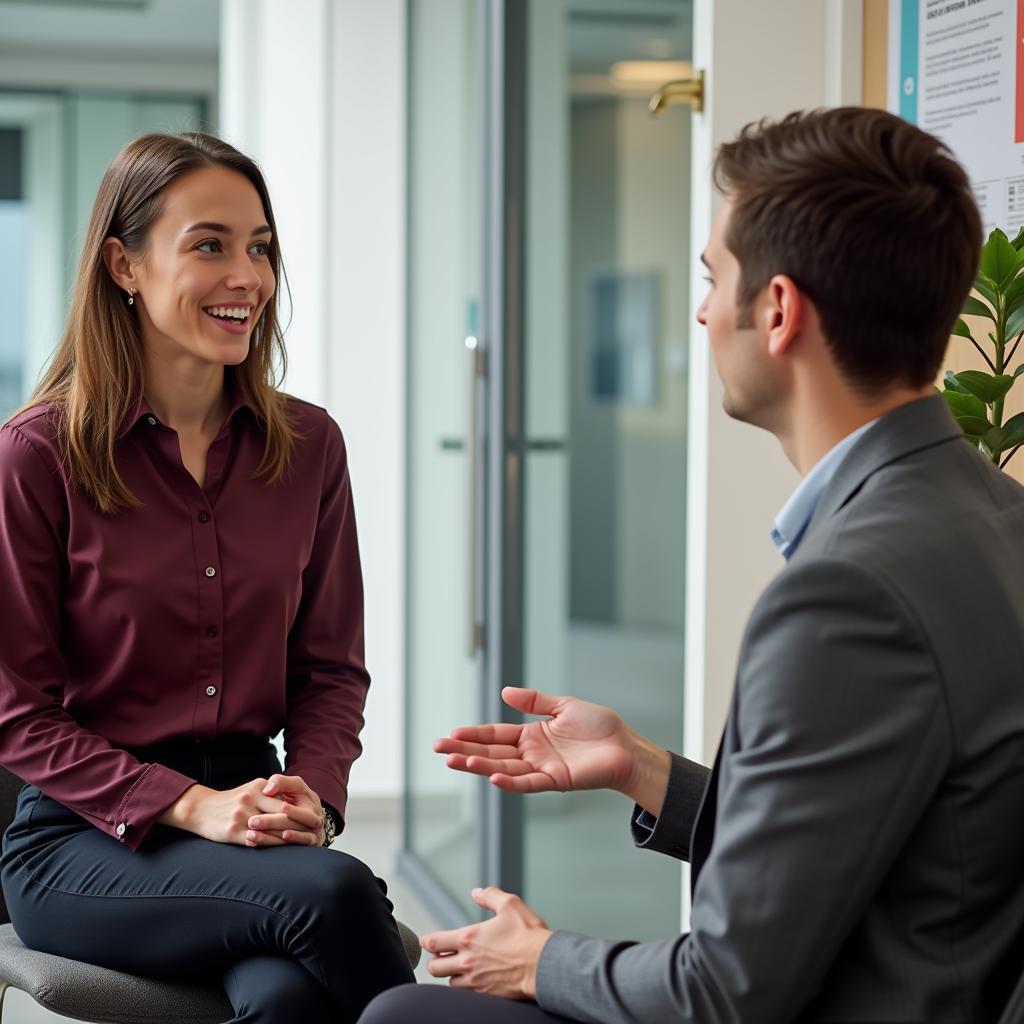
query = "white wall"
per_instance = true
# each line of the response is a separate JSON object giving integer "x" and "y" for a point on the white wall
{"x": 761, "y": 60}
{"x": 315, "y": 91}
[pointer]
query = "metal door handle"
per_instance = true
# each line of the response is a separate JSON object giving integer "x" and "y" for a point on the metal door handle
{"x": 475, "y": 630}
{"x": 683, "y": 90}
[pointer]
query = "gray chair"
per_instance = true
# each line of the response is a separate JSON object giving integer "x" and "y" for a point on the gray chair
{"x": 1013, "y": 1012}
{"x": 84, "y": 992}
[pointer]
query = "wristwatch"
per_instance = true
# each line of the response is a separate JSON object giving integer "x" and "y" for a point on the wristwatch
{"x": 330, "y": 825}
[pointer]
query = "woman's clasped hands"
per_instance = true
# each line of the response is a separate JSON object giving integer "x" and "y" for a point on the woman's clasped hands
{"x": 278, "y": 811}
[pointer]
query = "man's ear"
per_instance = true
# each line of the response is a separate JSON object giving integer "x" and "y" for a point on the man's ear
{"x": 119, "y": 266}
{"x": 783, "y": 313}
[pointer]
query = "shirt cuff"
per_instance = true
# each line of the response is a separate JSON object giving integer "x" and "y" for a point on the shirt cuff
{"x": 156, "y": 789}
{"x": 670, "y": 831}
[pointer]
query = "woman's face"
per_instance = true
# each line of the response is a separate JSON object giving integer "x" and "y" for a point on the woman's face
{"x": 205, "y": 275}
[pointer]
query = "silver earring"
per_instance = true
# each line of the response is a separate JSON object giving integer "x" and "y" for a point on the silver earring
{"x": 131, "y": 296}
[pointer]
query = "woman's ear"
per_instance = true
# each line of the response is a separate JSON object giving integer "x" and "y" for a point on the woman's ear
{"x": 120, "y": 268}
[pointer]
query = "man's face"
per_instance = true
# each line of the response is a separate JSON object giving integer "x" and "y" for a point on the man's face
{"x": 751, "y": 379}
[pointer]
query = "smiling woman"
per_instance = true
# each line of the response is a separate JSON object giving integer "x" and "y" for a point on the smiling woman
{"x": 182, "y": 582}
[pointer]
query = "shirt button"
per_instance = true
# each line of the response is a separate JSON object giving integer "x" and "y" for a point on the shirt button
{"x": 210, "y": 571}
{"x": 151, "y": 420}
{"x": 120, "y": 830}
{"x": 204, "y": 517}
{"x": 211, "y": 630}
{"x": 211, "y": 690}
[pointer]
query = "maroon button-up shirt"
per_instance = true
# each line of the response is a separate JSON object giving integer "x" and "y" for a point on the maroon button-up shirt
{"x": 236, "y": 607}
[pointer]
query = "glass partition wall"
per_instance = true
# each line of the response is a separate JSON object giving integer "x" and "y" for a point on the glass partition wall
{"x": 54, "y": 148}
{"x": 549, "y": 226}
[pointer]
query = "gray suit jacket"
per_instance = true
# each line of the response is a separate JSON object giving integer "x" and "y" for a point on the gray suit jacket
{"x": 859, "y": 851}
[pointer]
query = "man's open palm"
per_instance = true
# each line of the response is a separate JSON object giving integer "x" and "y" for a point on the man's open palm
{"x": 580, "y": 746}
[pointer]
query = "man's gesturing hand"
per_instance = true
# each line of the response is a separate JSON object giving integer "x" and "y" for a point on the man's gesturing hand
{"x": 579, "y": 746}
{"x": 498, "y": 956}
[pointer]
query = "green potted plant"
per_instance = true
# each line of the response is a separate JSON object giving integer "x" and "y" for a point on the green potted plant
{"x": 975, "y": 397}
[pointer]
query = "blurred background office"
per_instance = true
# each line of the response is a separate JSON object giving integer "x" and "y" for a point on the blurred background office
{"x": 491, "y": 252}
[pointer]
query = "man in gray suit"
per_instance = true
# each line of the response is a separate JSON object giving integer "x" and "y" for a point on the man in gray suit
{"x": 858, "y": 848}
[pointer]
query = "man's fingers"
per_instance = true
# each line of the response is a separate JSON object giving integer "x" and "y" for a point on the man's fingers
{"x": 494, "y": 766}
{"x": 501, "y": 733}
{"x": 449, "y": 745}
{"x": 533, "y": 702}
{"x": 444, "y": 941}
{"x": 446, "y": 966}
{"x": 493, "y": 898}
{"x": 535, "y": 782}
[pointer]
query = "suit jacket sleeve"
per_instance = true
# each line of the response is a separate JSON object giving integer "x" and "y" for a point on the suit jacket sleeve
{"x": 671, "y": 830}
{"x": 837, "y": 739}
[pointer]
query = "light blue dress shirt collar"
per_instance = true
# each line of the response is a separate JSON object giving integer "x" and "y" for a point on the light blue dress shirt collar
{"x": 791, "y": 523}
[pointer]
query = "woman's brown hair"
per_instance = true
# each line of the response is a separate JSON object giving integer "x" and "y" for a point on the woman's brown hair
{"x": 95, "y": 378}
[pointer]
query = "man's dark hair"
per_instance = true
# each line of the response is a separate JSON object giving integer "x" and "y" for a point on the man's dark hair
{"x": 873, "y": 220}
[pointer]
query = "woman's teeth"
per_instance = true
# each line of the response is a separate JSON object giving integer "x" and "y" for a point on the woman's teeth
{"x": 229, "y": 312}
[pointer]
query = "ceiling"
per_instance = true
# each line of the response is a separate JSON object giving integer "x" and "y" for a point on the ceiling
{"x": 602, "y": 32}
{"x": 157, "y": 25}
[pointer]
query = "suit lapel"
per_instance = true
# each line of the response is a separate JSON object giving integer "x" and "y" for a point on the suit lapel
{"x": 910, "y": 428}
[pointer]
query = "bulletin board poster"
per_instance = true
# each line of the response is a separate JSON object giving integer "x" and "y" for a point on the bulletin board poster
{"x": 956, "y": 69}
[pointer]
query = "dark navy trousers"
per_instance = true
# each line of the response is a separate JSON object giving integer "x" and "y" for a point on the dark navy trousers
{"x": 436, "y": 1004}
{"x": 296, "y": 933}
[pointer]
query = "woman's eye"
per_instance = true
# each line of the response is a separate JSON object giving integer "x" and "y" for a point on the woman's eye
{"x": 260, "y": 248}
{"x": 709, "y": 281}
{"x": 211, "y": 242}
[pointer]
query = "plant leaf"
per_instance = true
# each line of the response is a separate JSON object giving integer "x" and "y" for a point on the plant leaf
{"x": 952, "y": 384}
{"x": 965, "y": 405}
{"x": 1015, "y": 322}
{"x": 1013, "y": 297}
{"x": 1013, "y": 429}
{"x": 999, "y": 260}
{"x": 985, "y": 386}
{"x": 995, "y": 440}
{"x": 962, "y": 330}
{"x": 974, "y": 426}
{"x": 986, "y": 287}
{"x": 975, "y": 307}
{"x": 1018, "y": 242}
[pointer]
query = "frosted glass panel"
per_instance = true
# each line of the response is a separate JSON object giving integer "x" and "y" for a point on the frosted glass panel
{"x": 66, "y": 143}
{"x": 14, "y": 239}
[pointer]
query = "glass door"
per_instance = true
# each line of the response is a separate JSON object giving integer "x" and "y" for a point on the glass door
{"x": 603, "y": 371}
{"x": 442, "y": 845}
{"x": 548, "y": 326}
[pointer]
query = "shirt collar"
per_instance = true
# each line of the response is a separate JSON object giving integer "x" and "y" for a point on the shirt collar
{"x": 141, "y": 409}
{"x": 791, "y": 522}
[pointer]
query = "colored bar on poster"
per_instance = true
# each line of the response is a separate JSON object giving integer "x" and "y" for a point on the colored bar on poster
{"x": 910, "y": 21}
{"x": 1019, "y": 54}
